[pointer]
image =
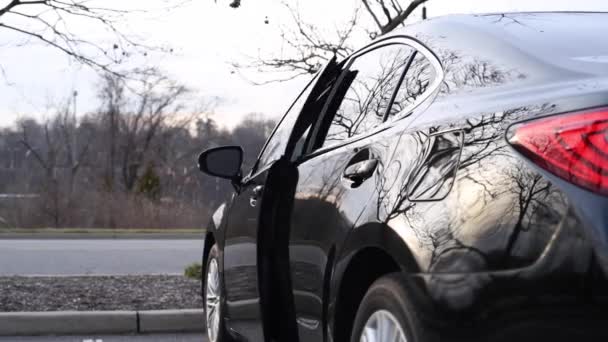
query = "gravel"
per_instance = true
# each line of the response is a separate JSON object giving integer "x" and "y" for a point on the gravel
{"x": 146, "y": 292}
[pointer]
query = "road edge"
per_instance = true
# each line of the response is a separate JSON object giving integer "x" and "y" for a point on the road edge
{"x": 100, "y": 322}
{"x": 101, "y": 236}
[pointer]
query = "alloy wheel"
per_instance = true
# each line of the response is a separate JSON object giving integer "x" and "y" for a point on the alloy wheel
{"x": 382, "y": 326}
{"x": 212, "y": 301}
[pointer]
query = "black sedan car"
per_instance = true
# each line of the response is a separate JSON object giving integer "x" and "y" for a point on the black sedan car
{"x": 447, "y": 182}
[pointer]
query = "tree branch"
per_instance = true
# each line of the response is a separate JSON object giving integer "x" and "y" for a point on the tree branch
{"x": 50, "y": 26}
{"x": 400, "y": 18}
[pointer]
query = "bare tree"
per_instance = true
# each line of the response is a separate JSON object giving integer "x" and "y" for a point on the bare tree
{"x": 50, "y": 22}
{"x": 387, "y": 14}
{"x": 112, "y": 96}
{"x": 392, "y": 11}
{"x": 47, "y": 162}
{"x": 134, "y": 126}
{"x": 168, "y": 190}
{"x": 61, "y": 151}
{"x": 309, "y": 47}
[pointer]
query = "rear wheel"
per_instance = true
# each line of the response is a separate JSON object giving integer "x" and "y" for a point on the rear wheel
{"x": 382, "y": 326}
{"x": 213, "y": 298}
{"x": 387, "y": 315}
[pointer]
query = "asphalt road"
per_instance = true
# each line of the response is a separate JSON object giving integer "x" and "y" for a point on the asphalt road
{"x": 97, "y": 256}
{"x": 126, "y": 338}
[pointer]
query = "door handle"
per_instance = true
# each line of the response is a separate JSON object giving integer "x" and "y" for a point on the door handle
{"x": 360, "y": 171}
{"x": 255, "y": 194}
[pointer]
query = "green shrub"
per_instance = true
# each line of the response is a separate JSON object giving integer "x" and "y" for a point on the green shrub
{"x": 149, "y": 184}
{"x": 194, "y": 271}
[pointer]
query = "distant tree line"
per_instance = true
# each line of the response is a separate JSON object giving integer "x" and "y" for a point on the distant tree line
{"x": 129, "y": 164}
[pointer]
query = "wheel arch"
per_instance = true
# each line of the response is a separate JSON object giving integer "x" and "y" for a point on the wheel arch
{"x": 368, "y": 253}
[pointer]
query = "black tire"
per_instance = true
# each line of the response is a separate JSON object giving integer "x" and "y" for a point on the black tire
{"x": 222, "y": 336}
{"x": 389, "y": 293}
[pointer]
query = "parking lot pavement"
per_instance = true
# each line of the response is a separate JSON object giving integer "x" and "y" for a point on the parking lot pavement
{"x": 114, "y": 338}
{"x": 97, "y": 256}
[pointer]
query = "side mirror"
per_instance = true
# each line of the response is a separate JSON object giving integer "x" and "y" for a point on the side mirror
{"x": 223, "y": 162}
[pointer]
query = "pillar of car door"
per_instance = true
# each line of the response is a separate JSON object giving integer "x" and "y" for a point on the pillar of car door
{"x": 273, "y": 253}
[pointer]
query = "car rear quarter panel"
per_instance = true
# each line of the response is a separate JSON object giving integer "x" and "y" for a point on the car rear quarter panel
{"x": 505, "y": 237}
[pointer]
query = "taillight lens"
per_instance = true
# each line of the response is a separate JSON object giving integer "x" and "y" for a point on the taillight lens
{"x": 572, "y": 146}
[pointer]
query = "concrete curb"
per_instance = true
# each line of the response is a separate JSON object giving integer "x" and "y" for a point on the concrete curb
{"x": 100, "y": 322}
{"x": 166, "y": 320}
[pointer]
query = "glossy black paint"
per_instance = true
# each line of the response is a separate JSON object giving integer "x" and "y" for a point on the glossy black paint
{"x": 495, "y": 249}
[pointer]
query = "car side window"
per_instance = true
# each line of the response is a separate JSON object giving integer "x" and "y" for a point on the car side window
{"x": 366, "y": 90}
{"x": 419, "y": 76}
{"x": 277, "y": 143}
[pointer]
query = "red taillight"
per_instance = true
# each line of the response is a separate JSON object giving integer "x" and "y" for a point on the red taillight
{"x": 572, "y": 146}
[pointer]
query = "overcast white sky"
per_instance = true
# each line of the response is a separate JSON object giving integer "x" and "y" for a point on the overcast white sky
{"x": 206, "y": 38}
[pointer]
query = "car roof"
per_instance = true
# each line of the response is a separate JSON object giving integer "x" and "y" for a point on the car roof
{"x": 567, "y": 40}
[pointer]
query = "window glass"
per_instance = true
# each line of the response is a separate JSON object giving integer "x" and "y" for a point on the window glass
{"x": 366, "y": 91}
{"x": 276, "y": 145}
{"x": 418, "y": 78}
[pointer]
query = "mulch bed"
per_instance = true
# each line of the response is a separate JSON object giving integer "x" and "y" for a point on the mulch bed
{"x": 146, "y": 292}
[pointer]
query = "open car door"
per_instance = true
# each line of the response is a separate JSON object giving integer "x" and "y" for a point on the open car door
{"x": 259, "y": 303}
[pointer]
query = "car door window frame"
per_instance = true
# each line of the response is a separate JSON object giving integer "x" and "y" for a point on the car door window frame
{"x": 318, "y": 77}
{"x": 257, "y": 168}
{"x": 323, "y": 96}
{"x": 413, "y": 43}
